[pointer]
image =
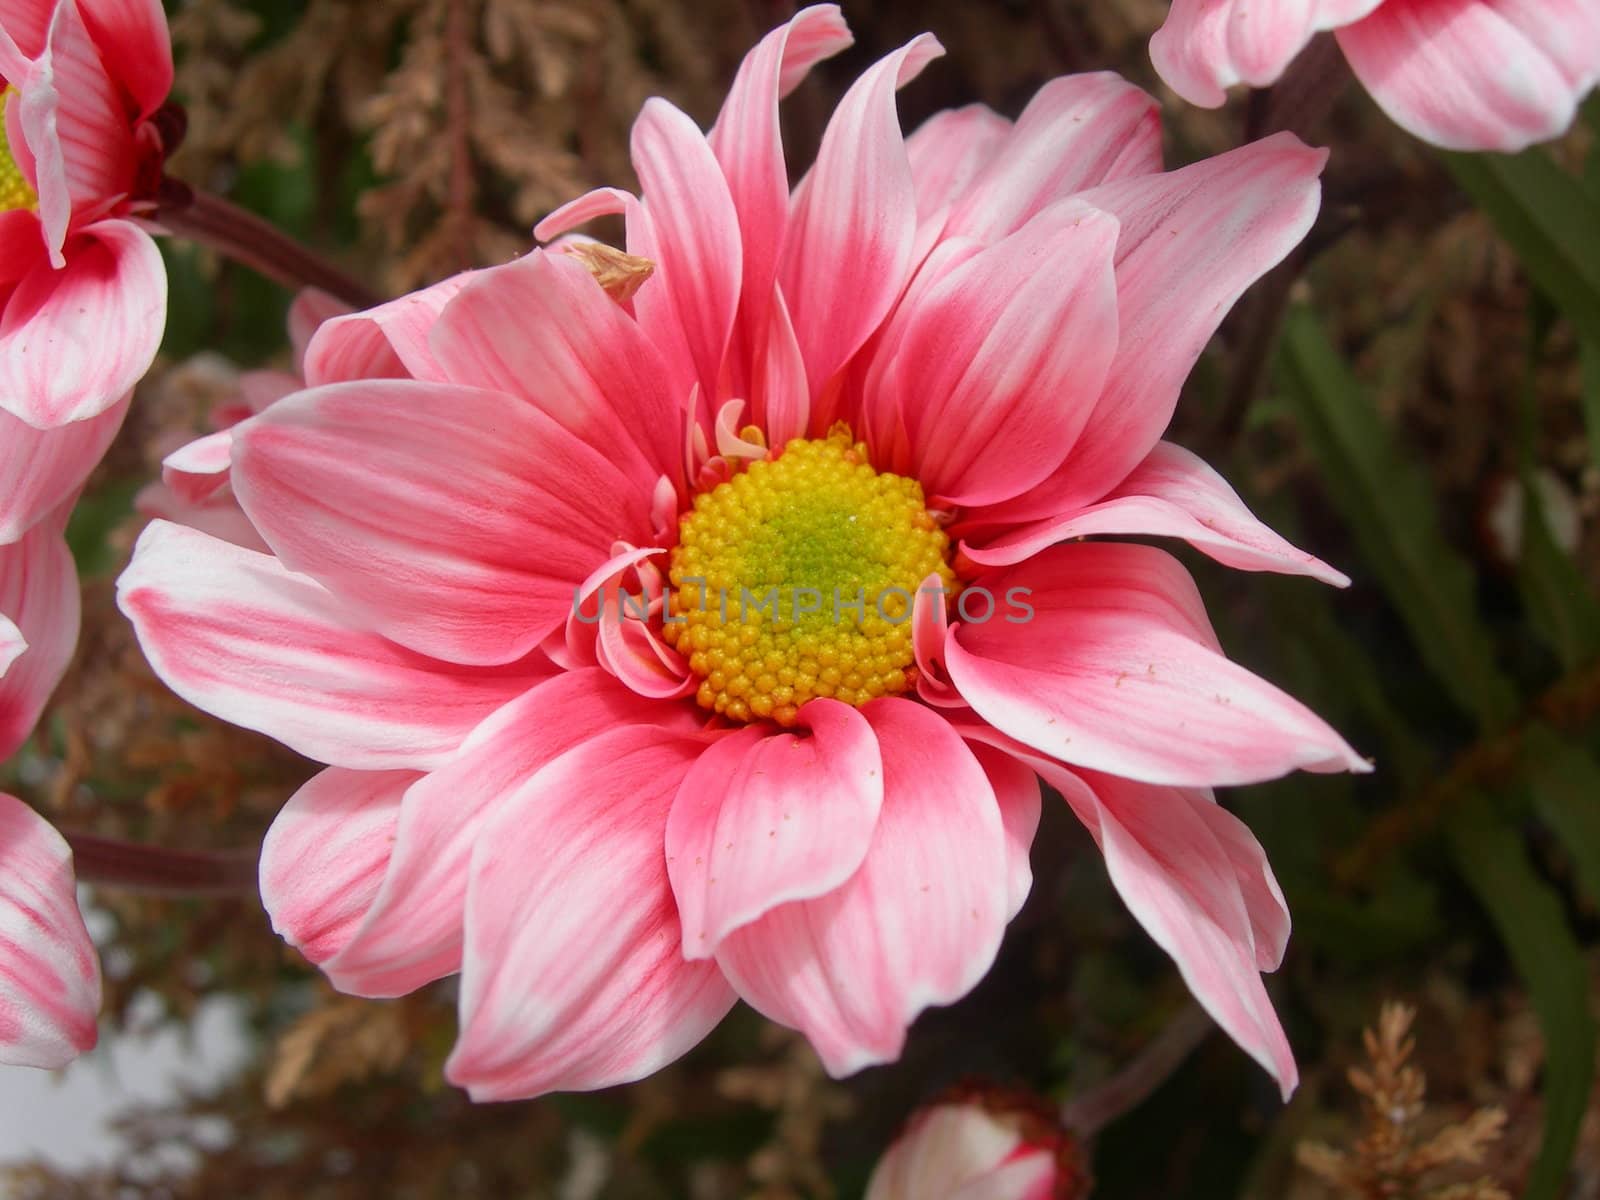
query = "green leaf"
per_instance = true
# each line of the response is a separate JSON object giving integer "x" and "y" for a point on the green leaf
{"x": 1533, "y": 926}
{"x": 1390, "y": 507}
{"x": 1564, "y": 782}
{"x": 1549, "y": 218}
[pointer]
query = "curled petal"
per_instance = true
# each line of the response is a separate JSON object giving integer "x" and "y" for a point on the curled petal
{"x": 570, "y": 983}
{"x": 49, "y": 972}
{"x": 326, "y": 853}
{"x": 41, "y": 468}
{"x": 386, "y": 342}
{"x": 918, "y": 924}
{"x": 765, "y": 818}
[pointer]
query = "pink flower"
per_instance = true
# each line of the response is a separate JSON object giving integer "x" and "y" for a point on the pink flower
{"x": 49, "y": 972}
{"x": 1001, "y": 315}
{"x": 980, "y": 1145}
{"x": 83, "y": 293}
{"x": 38, "y": 624}
{"x": 1462, "y": 74}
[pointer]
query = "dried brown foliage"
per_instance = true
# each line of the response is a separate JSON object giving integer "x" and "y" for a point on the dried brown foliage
{"x": 1394, "y": 1159}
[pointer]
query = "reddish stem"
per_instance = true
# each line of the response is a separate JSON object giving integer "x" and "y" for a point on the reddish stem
{"x": 1089, "y": 1113}
{"x": 241, "y": 235}
{"x": 156, "y": 869}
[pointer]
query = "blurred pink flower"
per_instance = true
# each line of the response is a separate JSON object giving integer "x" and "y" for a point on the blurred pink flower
{"x": 1002, "y": 315}
{"x": 1462, "y": 74}
{"x": 49, "y": 972}
{"x": 83, "y": 293}
{"x": 980, "y": 1147}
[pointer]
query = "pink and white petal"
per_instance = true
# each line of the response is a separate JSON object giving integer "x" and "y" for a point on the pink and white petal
{"x": 134, "y": 43}
{"x": 1207, "y": 46}
{"x": 1003, "y": 360}
{"x": 1116, "y": 669}
{"x": 918, "y": 924}
{"x": 765, "y": 818}
{"x": 412, "y": 933}
{"x": 1263, "y": 898}
{"x": 947, "y": 152}
{"x": 1077, "y": 132}
{"x": 73, "y": 342}
{"x": 1180, "y": 883}
{"x": 697, "y": 233}
{"x": 311, "y": 309}
{"x": 325, "y": 854}
{"x": 543, "y": 329}
{"x": 39, "y": 596}
{"x": 570, "y": 983}
{"x": 852, "y": 233}
{"x": 218, "y": 515}
{"x": 12, "y": 644}
{"x": 239, "y": 636}
{"x": 49, "y": 971}
{"x": 1478, "y": 74}
{"x": 780, "y": 402}
{"x": 41, "y": 468}
{"x": 1016, "y": 789}
{"x": 748, "y": 145}
{"x": 390, "y": 341}
{"x": 199, "y": 468}
{"x": 1192, "y": 241}
{"x": 471, "y": 562}
{"x": 1173, "y": 493}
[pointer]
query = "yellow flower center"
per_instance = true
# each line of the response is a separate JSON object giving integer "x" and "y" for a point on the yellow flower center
{"x": 14, "y": 189}
{"x": 795, "y": 579}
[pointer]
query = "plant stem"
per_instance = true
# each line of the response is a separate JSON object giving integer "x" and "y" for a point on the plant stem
{"x": 239, "y": 234}
{"x": 158, "y": 870}
{"x": 1089, "y": 1113}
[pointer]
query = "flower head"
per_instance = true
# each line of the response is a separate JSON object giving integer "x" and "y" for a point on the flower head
{"x": 643, "y": 627}
{"x": 981, "y": 1142}
{"x": 1462, "y": 74}
{"x": 82, "y": 289}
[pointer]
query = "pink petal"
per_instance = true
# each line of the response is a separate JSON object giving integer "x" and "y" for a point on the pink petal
{"x": 1192, "y": 241}
{"x": 386, "y": 342}
{"x": 195, "y": 471}
{"x": 325, "y": 855}
{"x": 918, "y": 924}
{"x": 1478, "y": 74}
{"x": 12, "y": 644}
{"x": 26, "y": 23}
{"x": 412, "y": 934}
{"x": 697, "y": 231}
{"x": 237, "y": 635}
{"x": 1181, "y": 882}
{"x": 1207, "y": 46}
{"x": 1115, "y": 668}
{"x": 573, "y": 977}
{"x": 74, "y": 341}
{"x": 765, "y": 818}
{"x": 458, "y": 521}
{"x": 947, "y": 152}
{"x": 75, "y": 130}
{"x": 1173, "y": 493}
{"x": 1077, "y": 132}
{"x": 311, "y": 309}
{"x": 49, "y": 972}
{"x": 543, "y": 329}
{"x": 853, "y": 228}
{"x": 1016, "y": 788}
{"x": 39, "y": 596}
{"x": 748, "y": 145}
{"x": 1003, "y": 360}
{"x": 21, "y": 247}
{"x": 42, "y": 468}
{"x": 218, "y": 515}
{"x": 133, "y": 41}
